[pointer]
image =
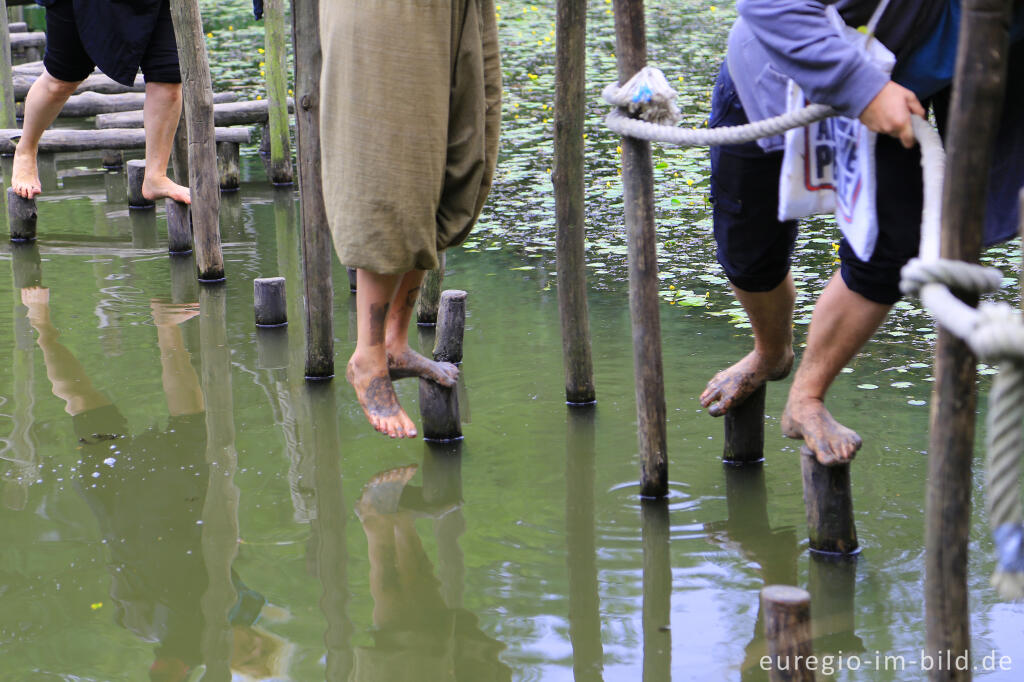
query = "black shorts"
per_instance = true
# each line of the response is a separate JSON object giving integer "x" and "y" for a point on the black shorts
{"x": 67, "y": 60}
{"x": 754, "y": 247}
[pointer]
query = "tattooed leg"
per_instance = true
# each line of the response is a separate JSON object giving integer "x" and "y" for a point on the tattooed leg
{"x": 367, "y": 369}
{"x": 403, "y": 361}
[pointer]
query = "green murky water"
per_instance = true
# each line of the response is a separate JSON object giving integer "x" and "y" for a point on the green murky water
{"x": 177, "y": 503}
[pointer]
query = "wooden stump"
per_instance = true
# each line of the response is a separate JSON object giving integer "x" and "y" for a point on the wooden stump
{"x": 270, "y": 302}
{"x": 439, "y": 405}
{"x": 136, "y": 170}
{"x": 451, "y": 326}
{"x": 430, "y": 294}
{"x": 228, "y": 167}
{"x": 112, "y": 158}
{"x": 22, "y": 215}
{"x": 744, "y": 430}
{"x": 829, "y": 505}
{"x": 787, "y": 627}
{"x": 179, "y": 226}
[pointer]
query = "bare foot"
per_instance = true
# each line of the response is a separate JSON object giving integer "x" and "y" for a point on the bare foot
{"x": 831, "y": 442}
{"x": 172, "y": 313}
{"x": 377, "y": 397}
{"x": 733, "y": 384}
{"x": 162, "y": 187}
{"x": 382, "y": 492}
{"x": 408, "y": 363}
{"x": 25, "y": 175}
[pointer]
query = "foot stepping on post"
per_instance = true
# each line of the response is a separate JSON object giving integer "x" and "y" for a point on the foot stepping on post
{"x": 829, "y": 504}
{"x": 744, "y": 430}
{"x": 22, "y": 217}
{"x": 136, "y": 169}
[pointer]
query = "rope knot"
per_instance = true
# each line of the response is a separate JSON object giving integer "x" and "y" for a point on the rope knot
{"x": 954, "y": 274}
{"x": 647, "y": 95}
{"x": 998, "y": 334}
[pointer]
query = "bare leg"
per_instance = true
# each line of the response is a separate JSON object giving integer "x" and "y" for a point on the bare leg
{"x": 403, "y": 361}
{"x": 160, "y": 113}
{"x": 44, "y": 101}
{"x": 843, "y": 321}
{"x": 368, "y": 367}
{"x": 771, "y": 316}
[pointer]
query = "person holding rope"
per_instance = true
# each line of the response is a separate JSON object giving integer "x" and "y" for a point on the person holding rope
{"x": 771, "y": 42}
{"x": 409, "y": 138}
{"x": 118, "y": 38}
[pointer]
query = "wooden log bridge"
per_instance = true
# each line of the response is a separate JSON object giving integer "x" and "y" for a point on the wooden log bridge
{"x": 57, "y": 140}
{"x": 439, "y": 405}
{"x": 829, "y": 505}
{"x": 94, "y": 83}
{"x": 94, "y": 103}
{"x": 224, "y": 114}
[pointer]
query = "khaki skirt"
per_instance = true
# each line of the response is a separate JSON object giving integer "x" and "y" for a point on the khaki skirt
{"x": 409, "y": 118}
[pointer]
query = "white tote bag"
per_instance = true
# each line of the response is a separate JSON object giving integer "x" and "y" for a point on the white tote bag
{"x": 829, "y": 166}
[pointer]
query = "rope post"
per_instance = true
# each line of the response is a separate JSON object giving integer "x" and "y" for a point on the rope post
{"x": 229, "y": 172}
{"x": 22, "y": 216}
{"x": 638, "y": 187}
{"x": 136, "y": 175}
{"x": 316, "y": 237}
{"x": 657, "y": 589}
{"x": 430, "y": 294}
{"x": 8, "y": 117}
{"x": 975, "y": 108}
{"x": 787, "y": 627}
{"x": 570, "y": 73}
{"x": 179, "y": 226}
{"x": 439, "y": 405}
{"x": 744, "y": 430}
{"x": 280, "y": 167}
{"x": 269, "y": 302}
{"x": 829, "y": 506}
{"x": 197, "y": 91}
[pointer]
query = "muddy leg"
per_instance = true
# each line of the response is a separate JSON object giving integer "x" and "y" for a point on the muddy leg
{"x": 403, "y": 361}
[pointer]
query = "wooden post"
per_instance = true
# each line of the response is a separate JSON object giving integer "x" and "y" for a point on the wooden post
{"x": 228, "y": 167}
{"x": 439, "y": 405}
{"x": 430, "y": 294}
{"x": 8, "y": 119}
{"x": 829, "y": 506}
{"x": 638, "y": 187}
{"x": 975, "y": 108}
{"x": 744, "y": 430}
{"x": 179, "y": 152}
{"x": 316, "y": 236}
{"x": 787, "y": 627}
{"x": 136, "y": 171}
{"x": 280, "y": 168}
{"x": 657, "y": 590}
{"x": 270, "y": 302}
{"x": 179, "y": 227}
{"x": 202, "y": 150}
{"x": 22, "y": 215}
{"x": 112, "y": 159}
{"x": 584, "y": 594}
{"x": 570, "y": 75}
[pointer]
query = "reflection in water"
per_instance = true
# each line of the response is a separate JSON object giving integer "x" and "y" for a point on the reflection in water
{"x": 746, "y": 530}
{"x": 657, "y": 591}
{"x": 167, "y": 513}
{"x": 421, "y": 632}
{"x": 832, "y": 584}
{"x": 584, "y": 603}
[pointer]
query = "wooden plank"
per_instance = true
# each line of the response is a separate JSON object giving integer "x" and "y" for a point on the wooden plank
{"x": 227, "y": 113}
{"x": 57, "y": 140}
{"x": 94, "y": 83}
{"x": 94, "y": 103}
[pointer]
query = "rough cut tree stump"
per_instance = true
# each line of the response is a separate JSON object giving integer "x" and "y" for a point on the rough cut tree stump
{"x": 112, "y": 158}
{"x": 269, "y": 302}
{"x": 787, "y": 627}
{"x": 179, "y": 227}
{"x": 451, "y": 325}
{"x": 744, "y": 430}
{"x": 439, "y": 405}
{"x": 21, "y": 214}
{"x": 829, "y": 505}
{"x": 136, "y": 170}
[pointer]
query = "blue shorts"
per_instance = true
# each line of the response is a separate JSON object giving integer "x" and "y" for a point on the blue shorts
{"x": 754, "y": 247}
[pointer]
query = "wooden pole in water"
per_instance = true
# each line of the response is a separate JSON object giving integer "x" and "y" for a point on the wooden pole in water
{"x": 570, "y": 76}
{"x": 228, "y": 168}
{"x": 22, "y": 216}
{"x": 975, "y": 107}
{"x": 197, "y": 91}
{"x": 638, "y": 188}
{"x": 269, "y": 302}
{"x": 430, "y": 294}
{"x": 179, "y": 152}
{"x": 451, "y": 326}
{"x": 179, "y": 226}
{"x": 136, "y": 171}
{"x": 829, "y": 505}
{"x": 316, "y": 236}
{"x": 280, "y": 168}
{"x": 787, "y": 627}
{"x": 744, "y": 430}
{"x": 8, "y": 119}
{"x": 439, "y": 405}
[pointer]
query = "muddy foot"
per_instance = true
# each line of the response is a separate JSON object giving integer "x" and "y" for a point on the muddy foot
{"x": 25, "y": 175}
{"x": 377, "y": 397}
{"x": 733, "y": 384}
{"x": 831, "y": 442}
{"x": 162, "y": 187}
{"x": 409, "y": 363}
{"x": 382, "y": 493}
